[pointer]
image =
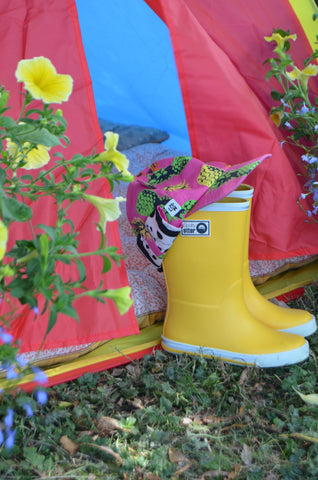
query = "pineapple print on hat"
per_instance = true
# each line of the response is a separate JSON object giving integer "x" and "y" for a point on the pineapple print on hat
{"x": 208, "y": 175}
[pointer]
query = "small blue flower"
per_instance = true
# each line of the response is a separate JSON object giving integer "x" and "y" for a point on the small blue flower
{"x": 5, "y": 336}
{"x": 309, "y": 213}
{"x": 35, "y": 310}
{"x": 303, "y": 195}
{"x": 316, "y": 128}
{"x": 40, "y": 376}
{"x": 309, "y": 158}
{"x": 11, "y": 373}
{"x": 41, "y": 397}
{"x": 304, "y": 109}
{"x": 288, "y": 125}
{"x": 9, "y": 443}
{"x": 1, "y": 437}
{"x": 21, "y": 361}
{"x": 28, "y": 409}
{"x": 8, "y": 419}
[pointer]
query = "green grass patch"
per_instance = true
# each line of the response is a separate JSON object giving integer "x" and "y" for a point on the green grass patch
{"x": 177, "y": 417}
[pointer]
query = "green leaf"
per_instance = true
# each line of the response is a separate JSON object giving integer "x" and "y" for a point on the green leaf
{"x": 33, "y": 134}
{"x": 52, "y": 318}
{"x": 7, "y": 122}
{"x": 107, "y": 264}
{"x": 51, "y": 231}
{"x": 311, "y": 399}
{"x": 44, "y": 244}
{"x": 4, "y": 96}
{"x": 277, "y": 95}
{"x": 270, "y": 73}
{"x": 13, "y": 210}
{"x": 3, "y": 176}
{"x": 81, "y": 270}
{"x": 70, "y": 311}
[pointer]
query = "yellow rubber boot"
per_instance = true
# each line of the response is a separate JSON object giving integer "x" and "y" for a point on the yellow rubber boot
{"x": 206, "y": 312}
{"x": 284, "y": 319}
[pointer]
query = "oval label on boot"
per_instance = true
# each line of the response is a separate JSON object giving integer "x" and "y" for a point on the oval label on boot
{"x": 195, "y": 228}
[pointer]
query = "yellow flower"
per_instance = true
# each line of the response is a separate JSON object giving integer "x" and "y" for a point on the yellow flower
{"x": 121, "y": 297}
{"x": 111, "y": 153}
{"x": 302, "y": 76}
{"x": 277, "y": 117}
{"x": 3, "y": 239}
{"x": 37, "y": 157}
{"x": 42, "y": 82}
{"x": 108, "y": 208}
{"x": 276, "y": 37}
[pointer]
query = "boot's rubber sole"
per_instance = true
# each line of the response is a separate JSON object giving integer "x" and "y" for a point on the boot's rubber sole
{"x": 304, "y": 330}
{"x": 267, "y": 360}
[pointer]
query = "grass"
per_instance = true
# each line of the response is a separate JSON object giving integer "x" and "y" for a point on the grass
{"x": 167, "y": 417}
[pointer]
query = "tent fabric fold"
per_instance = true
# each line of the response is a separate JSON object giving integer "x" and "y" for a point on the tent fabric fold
{"x": 219, "y": 51}
{"x": 28, "y": 29}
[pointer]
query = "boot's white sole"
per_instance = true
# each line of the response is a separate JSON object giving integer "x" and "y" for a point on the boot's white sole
{"x": 303, "y": 330}
{"x": 267, "y": 360}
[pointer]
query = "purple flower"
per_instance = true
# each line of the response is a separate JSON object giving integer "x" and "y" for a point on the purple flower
{"x": 40, "y": 376}
{"x": 28, "y": 409}
{"x": 288, "y": 125}
{"x": 309, "y": 213}
{"x": 10, "y": 438}
{"x": 41, "y": 397}
{"x": 1, "y": 437}
{"x": 8, "y": 419}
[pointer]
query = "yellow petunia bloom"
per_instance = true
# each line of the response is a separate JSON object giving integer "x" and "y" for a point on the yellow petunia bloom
{"x": 277, "y": 117}
{"x": 111, "y": 153}
{"x": 276, "y": 37}
{"x": 302, "y": 76}
{"x": 35, "y": 158}
{"x": 42, "y": 82}
{"x": 108, "y": 208}
{"x": 121, "y": 297}
{"x": 3, "y": 239}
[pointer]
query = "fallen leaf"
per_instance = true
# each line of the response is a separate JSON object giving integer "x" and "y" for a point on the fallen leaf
{"x": 243, "y": 376}
{"x": 247, "y": 455}
{"x": 186, "y": 421}
{"x": 136, "y": 403}
{"x": 176, "y": 456}
{"x": 107, "y": 450}
{"x": 234, "y": 473}
{"x": 70, "y": 446}
{"x": 311, "y": 398}
{"x": 213, "y": 474}
{"x": 108, "y": 425}
{"x": 182, "y": 469}
{"x": 151, "y": 476}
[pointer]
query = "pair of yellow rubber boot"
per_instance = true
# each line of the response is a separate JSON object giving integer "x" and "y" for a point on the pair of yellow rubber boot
{"x": 213, "y": 307}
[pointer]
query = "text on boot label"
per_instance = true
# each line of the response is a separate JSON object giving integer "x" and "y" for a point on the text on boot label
{"x": 195, "y": 228}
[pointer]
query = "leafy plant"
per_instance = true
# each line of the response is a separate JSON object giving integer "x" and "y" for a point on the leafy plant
{"x": 29, "y": 173}
{"x": 297, "y": 112}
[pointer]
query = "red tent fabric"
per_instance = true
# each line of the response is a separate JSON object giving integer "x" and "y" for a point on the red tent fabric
{"x": 32, "y": 28}
{"x": 219, "y": 49}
